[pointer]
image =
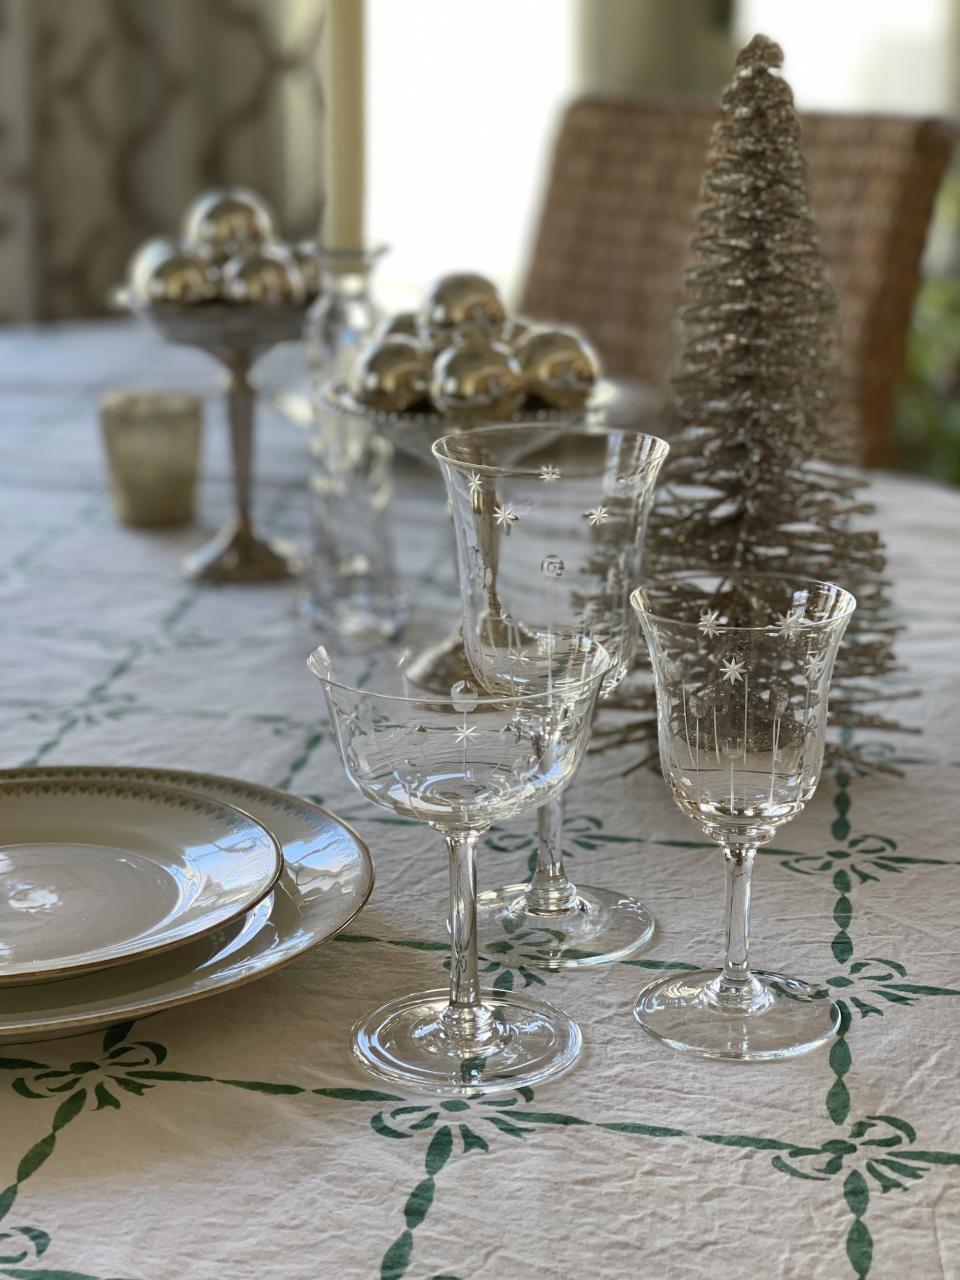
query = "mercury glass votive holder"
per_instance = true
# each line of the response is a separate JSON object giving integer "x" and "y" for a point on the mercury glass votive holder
{"x": 152, "y": 441}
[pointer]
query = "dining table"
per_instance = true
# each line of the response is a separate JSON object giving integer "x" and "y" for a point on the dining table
{"x": 235, "y": 1136}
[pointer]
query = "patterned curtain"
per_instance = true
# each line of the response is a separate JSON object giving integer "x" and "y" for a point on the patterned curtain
{"x": 114, "y": 113}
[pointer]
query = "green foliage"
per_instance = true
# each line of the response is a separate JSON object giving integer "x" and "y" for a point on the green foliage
{"x": 927, "y": 414}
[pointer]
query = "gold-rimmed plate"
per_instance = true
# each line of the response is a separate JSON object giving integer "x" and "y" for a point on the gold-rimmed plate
{"x": 95, "y": 873}
{"x": 326, "y": 879}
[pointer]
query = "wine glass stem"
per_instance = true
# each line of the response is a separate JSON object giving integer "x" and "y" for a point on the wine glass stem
{"x": 465, "y": 1018}
{"x": 738, "y": 859}
{"x": 240, "y": 414}
{"x": 550, "y": 890}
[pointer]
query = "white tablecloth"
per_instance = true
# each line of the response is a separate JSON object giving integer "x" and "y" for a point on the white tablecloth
{"x": 246, "y": 1144}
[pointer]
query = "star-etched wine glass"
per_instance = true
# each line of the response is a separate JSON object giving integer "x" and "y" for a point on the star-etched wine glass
{"x": 549, "y": 524}
{"x": 742, "y": 666}
{"x": 460, "y": 763}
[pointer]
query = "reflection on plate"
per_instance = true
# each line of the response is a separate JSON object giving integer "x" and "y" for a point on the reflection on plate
{"x": 96, "y": 872}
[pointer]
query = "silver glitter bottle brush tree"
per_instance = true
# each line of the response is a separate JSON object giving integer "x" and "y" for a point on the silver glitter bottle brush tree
{"x": 759, "y": 475}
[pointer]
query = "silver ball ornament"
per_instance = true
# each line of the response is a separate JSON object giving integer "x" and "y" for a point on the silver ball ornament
{"x": 186, "y": 277}
{"x": 477, "y": 380}
{"x": 515, "y": 331}
{"x": 228, "y": 222}
{"x": 305, "y": 256}
{"x": 403, "y": 324}
{"x": 461, "y": 303}
{"x": 560, "y": 368}
{"x": 145, "y": 261}
{"x": 267, "y": 277}
{"x": 392, "y": 375}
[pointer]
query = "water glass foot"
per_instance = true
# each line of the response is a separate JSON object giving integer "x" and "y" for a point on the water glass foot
{"x": 784, "y": 1017}
{"x": 406, "y": 1043}
{"x": 603, "y": 927}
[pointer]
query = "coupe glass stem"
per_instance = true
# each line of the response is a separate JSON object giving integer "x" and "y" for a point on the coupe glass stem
{"x": 465, "y": 1019}
{"x": 550, "y": 890}
{"x": 735, "y": 981}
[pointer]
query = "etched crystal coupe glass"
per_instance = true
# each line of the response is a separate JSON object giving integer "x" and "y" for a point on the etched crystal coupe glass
{"x": 460, "y": 763}
{"x": 742, "y": 666}
{"x": 549, "y": 523}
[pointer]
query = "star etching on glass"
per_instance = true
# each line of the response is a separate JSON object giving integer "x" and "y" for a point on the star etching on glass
{"x": 476, "y": 488}
{"x": 709, "y": 622}
{"x": 466, "y": 733}
{"x": 787, "y": 624}
{"x": 813, "y": 667}
{"x": 505, "y": 517}
{"x": 598, "y": 515}
{"x": 352, "y": 721}
{"x": 549, "y": 474}
{"x": 733, "y": 669}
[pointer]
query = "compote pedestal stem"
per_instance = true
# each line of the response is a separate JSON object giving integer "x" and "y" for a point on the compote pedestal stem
{"x": 240, "y": 415}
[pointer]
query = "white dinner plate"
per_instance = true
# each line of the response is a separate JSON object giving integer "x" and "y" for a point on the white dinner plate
{"x": 96, "y": 872}
{"x": 327, "y": 877}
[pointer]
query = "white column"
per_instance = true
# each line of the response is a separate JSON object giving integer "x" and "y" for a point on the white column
{"x": 344, "y": 159}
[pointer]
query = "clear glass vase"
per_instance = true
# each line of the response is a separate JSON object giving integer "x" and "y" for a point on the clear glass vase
{"x": 345, "y": 314}
{"x": 352, "y": 593}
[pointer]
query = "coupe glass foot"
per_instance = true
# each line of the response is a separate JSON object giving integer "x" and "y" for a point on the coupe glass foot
{"x": 407, "y": 1042}
{"x": 779, "y": 1017}
{"x": 602, "y": 927}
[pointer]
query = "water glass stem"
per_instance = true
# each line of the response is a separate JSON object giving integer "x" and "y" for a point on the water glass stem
{"x": 465, "y": 1018}
{"x": 738, "y": 859}
{"x": 550, "y": 890}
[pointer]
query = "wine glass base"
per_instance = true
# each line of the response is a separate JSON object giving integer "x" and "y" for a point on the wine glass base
{"x": 785, "y": 1017}
{"x": 404, "y": 1042}
{"x": 237, "y": 554}
{"x": 603, "y": 927}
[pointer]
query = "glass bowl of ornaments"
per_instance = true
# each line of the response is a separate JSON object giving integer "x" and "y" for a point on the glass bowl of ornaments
{"x": 463, "y": 361}
{"x": 230, "y": 287}
{"x": 459, "y": 362}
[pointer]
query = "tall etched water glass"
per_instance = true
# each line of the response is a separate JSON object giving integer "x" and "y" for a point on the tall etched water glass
{"x": 460, "y": 763}
{"x": 549, "y": 523}
{"x": 742, "y": 666}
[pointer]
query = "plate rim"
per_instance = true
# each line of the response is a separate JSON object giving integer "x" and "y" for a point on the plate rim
{"x": 81, "y": 1024}
{"x": 58, "y": 972}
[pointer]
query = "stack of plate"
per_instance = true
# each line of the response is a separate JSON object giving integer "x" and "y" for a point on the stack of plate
{"x": 127, "y": 891}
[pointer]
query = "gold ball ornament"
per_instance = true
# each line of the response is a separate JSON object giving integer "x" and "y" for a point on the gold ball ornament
{"x": 477, "y": 380}
{"x": 560, "y": 368}
{"x": 268, "y": 277}
{"x": 305, "y": 256}
{"x": 392, "y": 374}
{"x": 186, "y": 277}
{"x": 228, "y": 222}
{"x": 462, "y": 303}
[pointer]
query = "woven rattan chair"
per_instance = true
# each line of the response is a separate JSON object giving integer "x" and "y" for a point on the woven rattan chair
{"x": 618, "y": 216}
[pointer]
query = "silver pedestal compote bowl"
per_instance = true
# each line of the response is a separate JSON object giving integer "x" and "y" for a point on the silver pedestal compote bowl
{"x": 236, "y": 336}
